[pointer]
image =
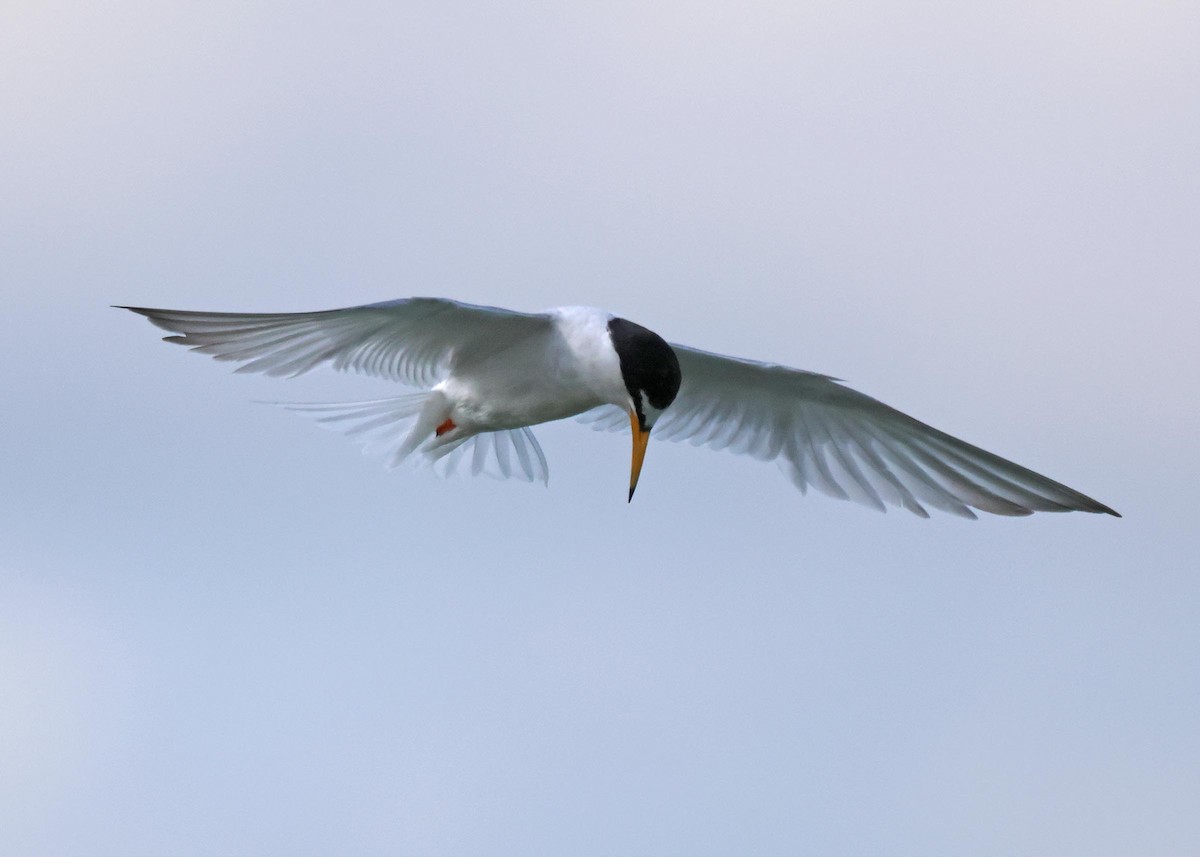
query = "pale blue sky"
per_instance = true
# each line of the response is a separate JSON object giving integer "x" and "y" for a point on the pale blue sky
{"x": 223, "y": 631}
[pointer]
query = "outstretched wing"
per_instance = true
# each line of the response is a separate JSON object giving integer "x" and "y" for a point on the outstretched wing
{"x": 843, "y": 443}
{"x": 416, "y": 341}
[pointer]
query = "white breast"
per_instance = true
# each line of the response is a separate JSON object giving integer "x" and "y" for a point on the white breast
{"x": 570, "y": 369}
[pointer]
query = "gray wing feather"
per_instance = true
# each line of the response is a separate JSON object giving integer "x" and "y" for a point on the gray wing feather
{"x": 843, "y": 443}
{"x": 416, "y": 341}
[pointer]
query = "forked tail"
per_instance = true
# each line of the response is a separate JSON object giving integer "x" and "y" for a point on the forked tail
{"x": 400, "y": 426}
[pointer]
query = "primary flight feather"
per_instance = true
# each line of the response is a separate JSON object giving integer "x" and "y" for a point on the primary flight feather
{"x": 488, "y": 374}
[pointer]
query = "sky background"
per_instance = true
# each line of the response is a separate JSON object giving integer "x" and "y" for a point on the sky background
{"x": 224, "y": 631}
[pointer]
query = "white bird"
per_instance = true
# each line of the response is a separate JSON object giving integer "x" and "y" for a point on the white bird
{"x": 488, "y": 374}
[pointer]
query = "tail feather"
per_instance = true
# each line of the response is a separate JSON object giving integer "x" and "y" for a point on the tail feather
{"x": 399, "y": 426}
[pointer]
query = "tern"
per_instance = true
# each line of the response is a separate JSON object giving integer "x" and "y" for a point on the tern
{"x": 487, "y": 374}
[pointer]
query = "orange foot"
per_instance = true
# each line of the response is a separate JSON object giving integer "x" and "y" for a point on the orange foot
{"x": 448, "y": 425}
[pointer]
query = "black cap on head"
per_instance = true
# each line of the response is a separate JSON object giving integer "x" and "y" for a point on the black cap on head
{"x": 648, "y": 365}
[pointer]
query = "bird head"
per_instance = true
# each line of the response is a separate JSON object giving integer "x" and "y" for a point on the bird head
{"x": 651, "y": 374}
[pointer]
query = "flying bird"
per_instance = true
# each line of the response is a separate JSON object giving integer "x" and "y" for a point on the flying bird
{"x": 486, "y": 375}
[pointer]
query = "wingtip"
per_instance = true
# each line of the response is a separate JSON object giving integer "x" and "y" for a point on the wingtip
{"x": 1095, "y": 507}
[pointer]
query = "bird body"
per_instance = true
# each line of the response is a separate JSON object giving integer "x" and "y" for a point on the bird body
{"x": 565, "y": 369}
{"x": 488, "y": 374}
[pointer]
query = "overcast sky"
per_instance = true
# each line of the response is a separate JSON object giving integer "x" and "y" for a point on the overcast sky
{"x": 224, "y": 631}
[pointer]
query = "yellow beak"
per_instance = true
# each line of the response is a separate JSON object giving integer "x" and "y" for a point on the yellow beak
{"x": 640, "y": 439}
